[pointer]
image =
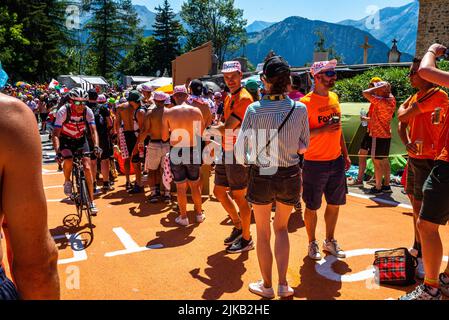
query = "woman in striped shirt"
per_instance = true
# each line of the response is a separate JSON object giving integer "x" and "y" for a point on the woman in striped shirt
{"x": 275, "y": 131}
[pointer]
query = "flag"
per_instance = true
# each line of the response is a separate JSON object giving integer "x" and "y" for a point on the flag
{"x": 3, "y": 76}
{"x": 53, "y": 84}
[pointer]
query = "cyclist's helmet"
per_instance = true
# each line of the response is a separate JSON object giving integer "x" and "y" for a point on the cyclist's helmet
{"x": 101, "y": 98}
{"x": 78, "y": 94}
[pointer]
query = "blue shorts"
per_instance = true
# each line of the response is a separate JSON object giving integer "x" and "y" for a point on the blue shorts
{"x": 324, "y": 177}
{"x": 8, "y": 290}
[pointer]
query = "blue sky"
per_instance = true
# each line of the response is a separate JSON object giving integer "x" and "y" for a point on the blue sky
{"x": 274, "y": 11}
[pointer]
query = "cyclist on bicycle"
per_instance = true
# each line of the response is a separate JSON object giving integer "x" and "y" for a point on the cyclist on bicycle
{"x": 70, "y": 136}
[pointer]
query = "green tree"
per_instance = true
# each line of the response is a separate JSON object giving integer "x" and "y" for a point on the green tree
{"x": 167, "y": 31}
{"x": 217, "y": 21}
{"x": 141, "y": 60}
{"x": 113, "y": 31}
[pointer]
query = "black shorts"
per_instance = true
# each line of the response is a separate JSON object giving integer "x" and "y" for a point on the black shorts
{"x": 69, "y": 146}
{"x": 233, "y": 176}
{"x": 283, "y": 186}
{"x": 185, "y": 164}
{"x": 131, "y": 140}
{"x": 106, "y": 146}
{"x": 324, "y": 177}
{"x": 379, "y": 148}
{"x": 417, "y": 174}
{"x": 43, "y": 116}
{"x": 435, "y": 206}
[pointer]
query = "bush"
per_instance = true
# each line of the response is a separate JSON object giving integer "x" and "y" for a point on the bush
{"x": 350, "y": 90}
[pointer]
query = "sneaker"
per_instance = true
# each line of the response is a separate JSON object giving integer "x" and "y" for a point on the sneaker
{"x": 444, "y": 284}
{"x": 136, "y": 190}
{"x": 422, "y": 292}
{"x": 240, "y": 246}
{"x": 285, "y": 291}
{"x": 182, "y": 221}
{"x": 413, "y": 252}
{"x": 387, "y": 189}
{"x": 96, "y": 190}
{"x": 128, "y": 186}
{"x": 333, "y": 248}
{"x": 107, "y": 187}
{"x": 236, "y": 234}
{"x": 166, "y": 197}
{"x": 153, "y": 198}
{"x": 68, "y": 188}
{"x": 200, "y": 217}
{"x": 314, "y": 251}
{"x": 93, "y": 209}
{"x": 354, "y": 183}
{"x": 375, "y": 192}
{"x": 420, "y": 274}
{"x": 259, "y": 289}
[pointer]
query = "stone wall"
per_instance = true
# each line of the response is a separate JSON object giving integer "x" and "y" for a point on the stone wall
{"x": 433, "y": 24}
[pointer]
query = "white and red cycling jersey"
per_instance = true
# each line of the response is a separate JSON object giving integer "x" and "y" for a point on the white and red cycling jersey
{"x": 75, "y": 127}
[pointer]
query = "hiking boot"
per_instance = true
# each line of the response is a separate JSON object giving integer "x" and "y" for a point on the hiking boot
{"x": 259, "y": 289}
{"x": 93, "y": 209}
{"x": 68, "y": 188}
{"x": 236, "y": 234}
{"x": 444, "y": 284}
{"x": 374, "y": 191}
{"x": 285, "y": 291}
{"x": 200, "y": 217}
{"x": 334, "y": 249}
{"x": 314, "y": 251}
{"x": 240, "y": 246}
{"x": 182, "y": 221}
{"x": 423, "y": 292}
{"x": 387, "y": 189}
{"x": 136, "y": 190}
{"x": 419, "y": 272}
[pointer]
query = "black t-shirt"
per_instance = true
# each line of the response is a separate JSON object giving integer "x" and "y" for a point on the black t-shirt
{"x": 101, "y": 114}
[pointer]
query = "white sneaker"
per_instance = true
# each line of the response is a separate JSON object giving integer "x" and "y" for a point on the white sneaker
{"x": 285, "y": 291}
{"x": 200, "y": 218}
{"x": 259, "y": 289}
{"x": 183, "y": 222}
{"x": 333, "y": 248}
{"x": 314, "y": 251}
{"x": 420, "y": 274}
{"x": 68, "y": 188}
{"x": 93, "y": 209}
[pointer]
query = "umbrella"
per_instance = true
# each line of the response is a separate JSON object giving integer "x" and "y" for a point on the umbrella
{"x": 158, "y": 82}
{"x": 167, "y": 89}
{"x": 212, "y": 85}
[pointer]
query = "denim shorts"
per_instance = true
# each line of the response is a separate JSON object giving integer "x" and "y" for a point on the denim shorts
{"x": 188, "y": 170}
{"x": 284, "y": 186}
{"x": 233, "y": 176}
{"x": 8, "y": 290}
{"x": 324, "y": 177}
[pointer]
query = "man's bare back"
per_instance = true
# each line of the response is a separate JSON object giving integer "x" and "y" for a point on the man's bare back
{"x": 125, "y": 114}
{"x": 153, "y": 121}
{"x": 205, "y": 111}
{"x": 181, "y": 124}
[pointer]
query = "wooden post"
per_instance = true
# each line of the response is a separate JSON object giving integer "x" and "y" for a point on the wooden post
{"x": 365, "y": 48}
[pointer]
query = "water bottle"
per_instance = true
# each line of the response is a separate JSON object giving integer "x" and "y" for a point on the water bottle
{"x": 363, "y": 113}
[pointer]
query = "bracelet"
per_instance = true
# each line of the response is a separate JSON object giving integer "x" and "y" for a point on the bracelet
{"x": 431, "y": 51}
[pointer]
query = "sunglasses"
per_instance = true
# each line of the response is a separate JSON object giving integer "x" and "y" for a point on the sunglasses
{"x": 330, "y": 73}
{"x": 79, "y": 103}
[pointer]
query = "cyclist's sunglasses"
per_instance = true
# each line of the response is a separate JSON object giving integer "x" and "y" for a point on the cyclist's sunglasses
{"x": 329, "y": 73}
{"x": 79, "y": 103}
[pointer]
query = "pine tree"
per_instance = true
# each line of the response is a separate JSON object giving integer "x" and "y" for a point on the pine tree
{"x": 140, "y": 61}
{"x": 112, "y": 31}
{"x": 167, "y": 31}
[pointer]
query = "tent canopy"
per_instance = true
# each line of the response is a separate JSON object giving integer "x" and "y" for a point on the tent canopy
{"x": 158, "y": 82}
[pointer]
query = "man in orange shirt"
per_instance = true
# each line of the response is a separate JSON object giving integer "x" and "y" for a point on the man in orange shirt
{"x": 378, "y": 139}
{"x": 326, "y": 159}
{"x": 416, "y": 115}
{"x": 435, "y": 207}
{"x": 230, "y": 176}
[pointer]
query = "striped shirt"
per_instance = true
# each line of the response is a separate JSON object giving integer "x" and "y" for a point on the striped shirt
{"x": 262, "y": 121}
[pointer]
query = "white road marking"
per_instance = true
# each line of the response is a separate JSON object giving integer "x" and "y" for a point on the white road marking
{"x": 380, "y": 200}
{"x": 53, "y": 187}
{"x": 130, "y": 245}
{"x": 55, "y": 200}
{"x": 77, "y": 255}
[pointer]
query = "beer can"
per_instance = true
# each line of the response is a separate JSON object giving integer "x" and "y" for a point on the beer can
{"x": 419, "y": 146}
{"x": 436, "y": 119}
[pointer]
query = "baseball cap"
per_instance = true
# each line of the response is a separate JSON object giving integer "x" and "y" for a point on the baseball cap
{"x": 251, "y": 85}
{"x": 134, "y": 96}
{"x": 180, "y": 89}
{"x": 197, "y": 87}
{"x": 375, "y": 79}
{"x": 217, "y": 95}
{"x": 231, "y": 66}
{"x": 274, "y": 66}
{"x": 159, "y": 96}
{"x": 321, "y": 66}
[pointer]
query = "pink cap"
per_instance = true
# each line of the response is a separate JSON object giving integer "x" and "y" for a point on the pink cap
{"x": 320, "y": 66}
{"x": 180, "y": 89}
{"x": 231, "y": 66}
{"x": 159, "y": 96}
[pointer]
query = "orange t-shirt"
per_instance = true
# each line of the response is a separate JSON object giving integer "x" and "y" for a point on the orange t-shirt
{"x": 443, "y": 142}
{"x": 421, "y": 127}
{"x": 235, "y": 105}
{"x": 381, "y": 112}
{"x": 326, "y": 146}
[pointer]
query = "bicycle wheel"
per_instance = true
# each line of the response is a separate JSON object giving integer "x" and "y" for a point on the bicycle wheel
{"x": 86, "y": 203}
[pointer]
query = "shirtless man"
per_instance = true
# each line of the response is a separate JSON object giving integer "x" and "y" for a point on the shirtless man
{"x": 132, "y": 114}
{"x": 35, "y": 255}
{"x": 183, "y": 124}
{"x": 157, "y": 148}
